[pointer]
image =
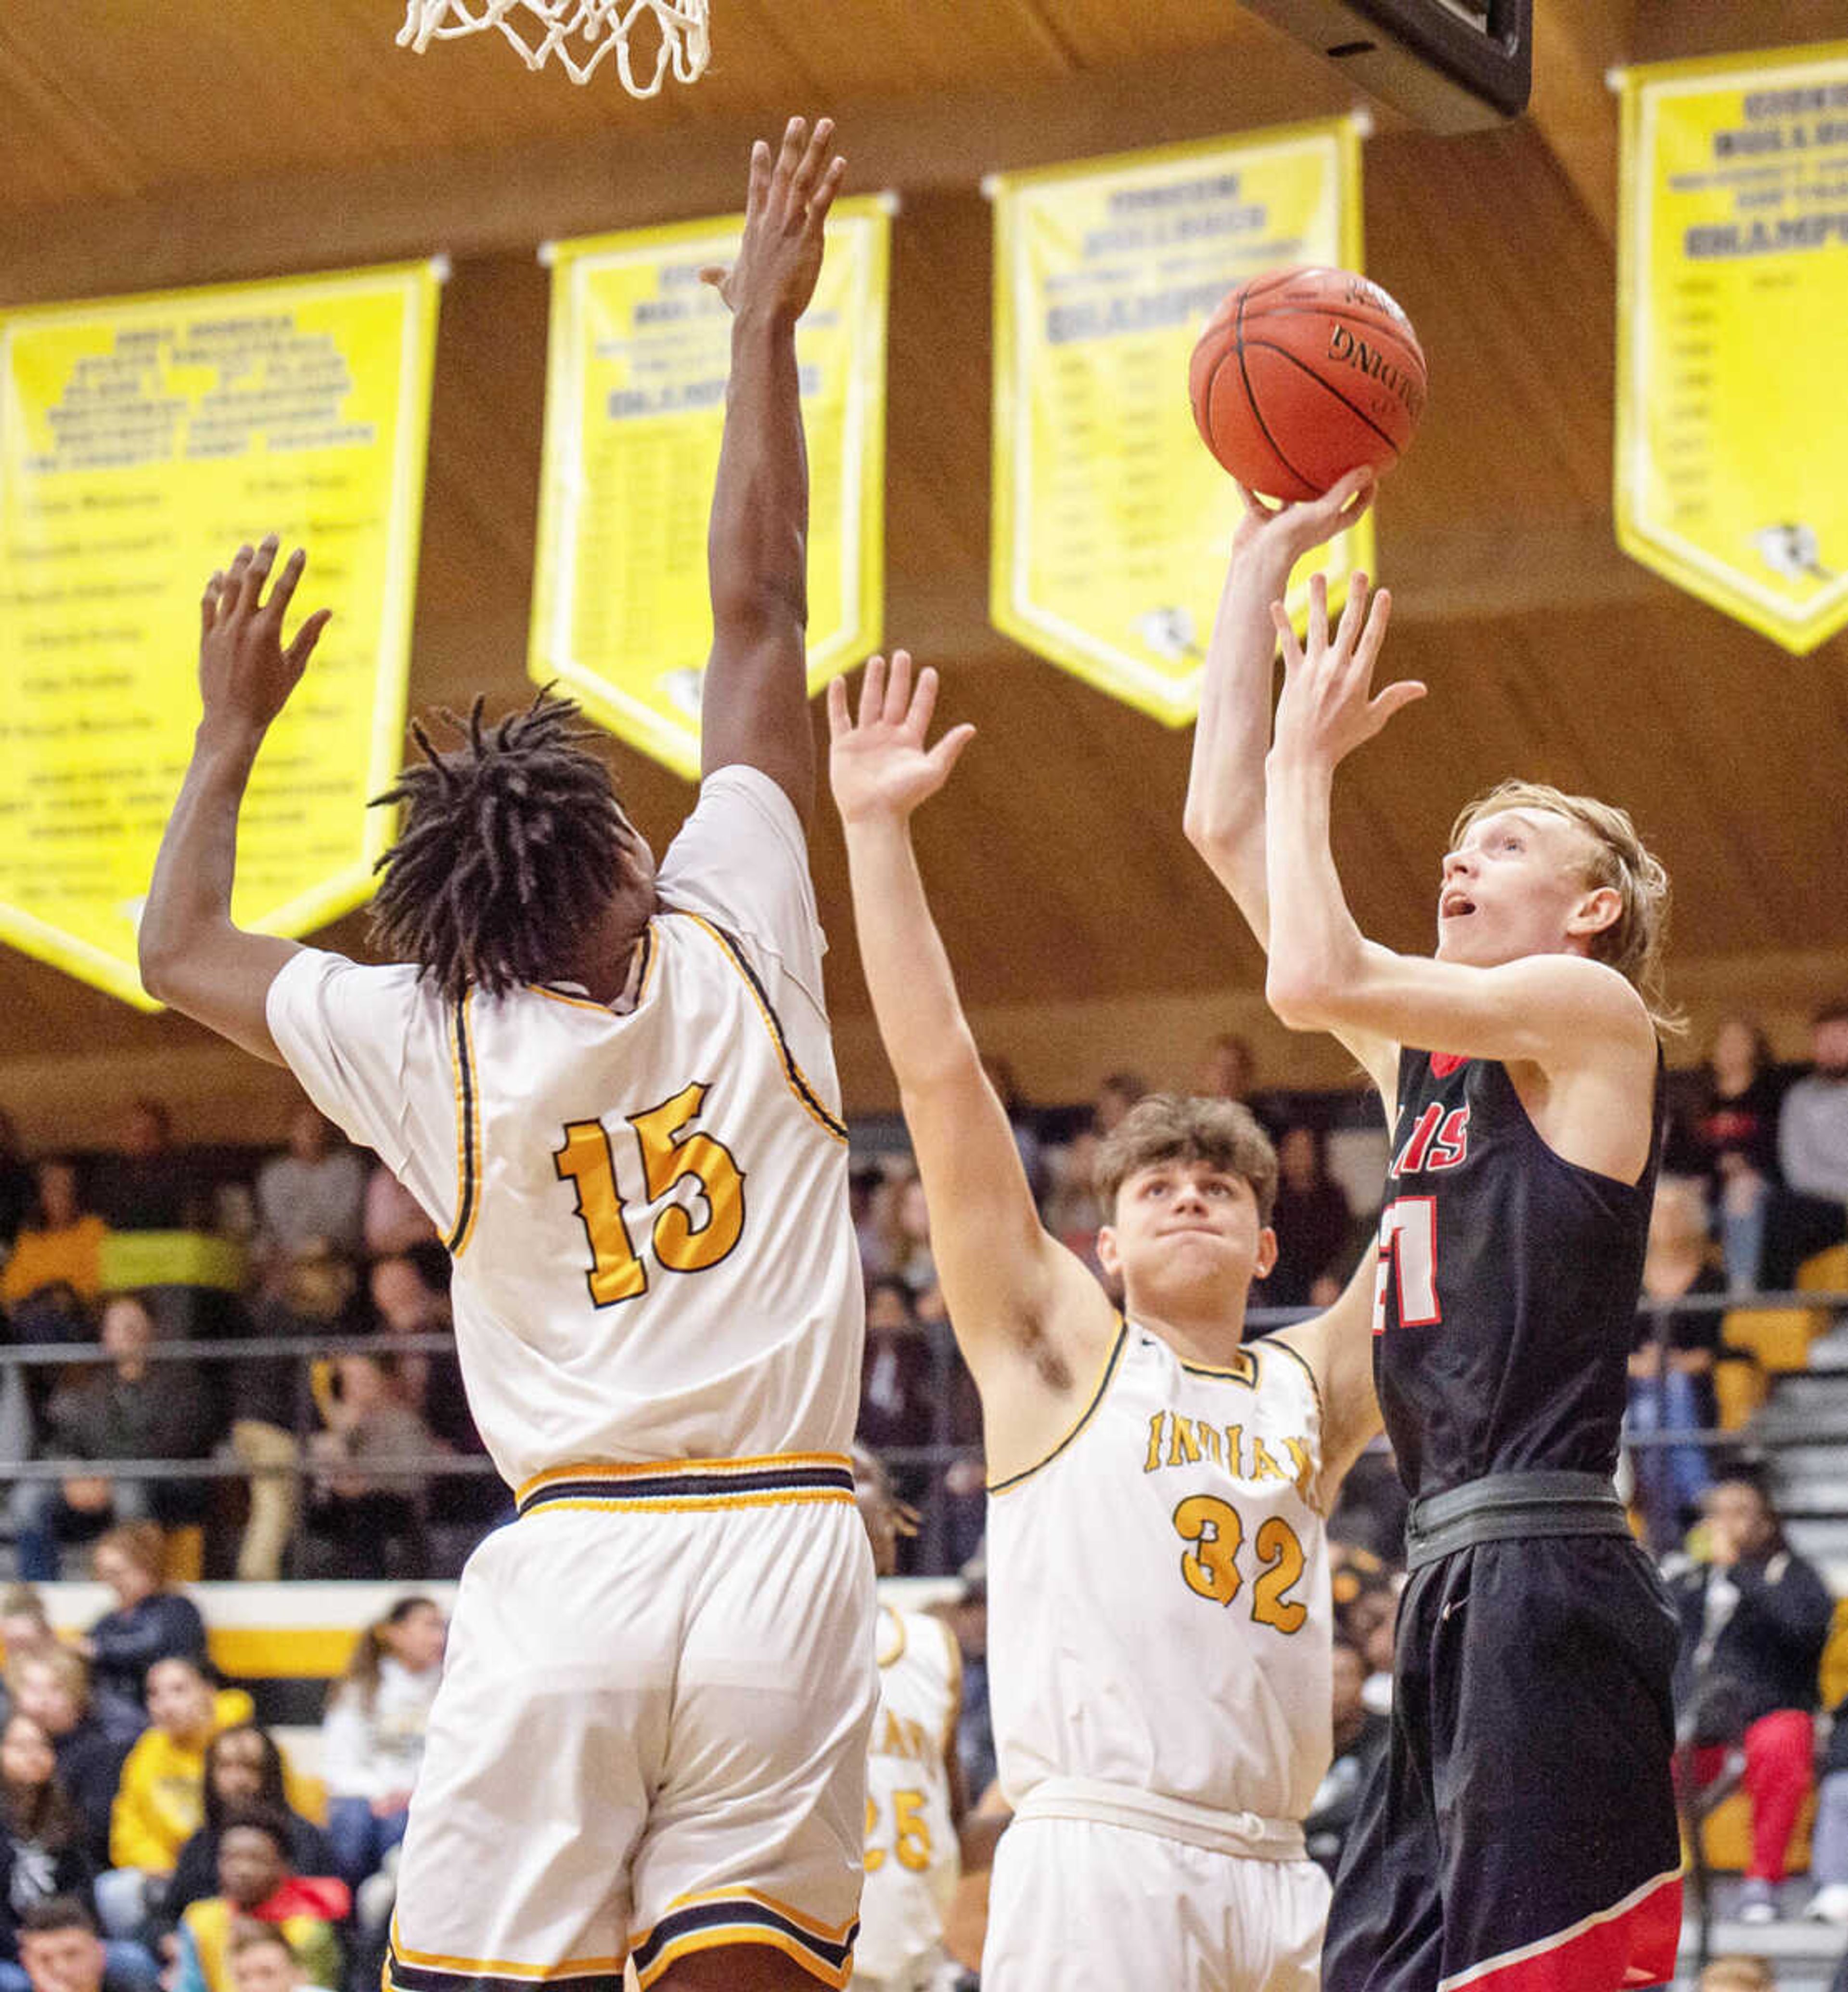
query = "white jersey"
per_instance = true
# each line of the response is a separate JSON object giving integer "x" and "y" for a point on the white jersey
{"x": 1159, "y": 1610}
{"x": 912, "y": 1862}
{"x": 646, "y": 1201}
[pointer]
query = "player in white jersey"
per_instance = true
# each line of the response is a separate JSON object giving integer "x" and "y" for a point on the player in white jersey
{"x": 1160, "y": 1619}
{"x": 614, "y": 1092}
{"x": 920, "y": 1836}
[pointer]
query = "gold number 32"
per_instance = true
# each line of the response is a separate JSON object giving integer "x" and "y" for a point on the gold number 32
{"x": 669, "y": 1155}
{"x": 1210, "y": 1567}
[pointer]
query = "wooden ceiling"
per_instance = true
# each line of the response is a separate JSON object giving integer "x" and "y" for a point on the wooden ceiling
{"x": 169, "y": 142}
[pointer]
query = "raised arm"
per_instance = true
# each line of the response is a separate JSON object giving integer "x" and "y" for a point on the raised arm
{"x": 1033, "y": 1323}
{"x": 1225, "y": 807}
{"x": 754, "y": 706}
{"x": 1338, "y": 1346}
{"x": 1577, "y": 1019}
{"x": 191, "y": 956}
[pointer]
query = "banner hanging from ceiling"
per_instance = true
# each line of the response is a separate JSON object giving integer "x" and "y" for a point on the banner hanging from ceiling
{"x": 142, "y": 439}
{"x": 1732, "y": 423}
{"x": 1112, "y": 524}
{"x": 635, "y": 409}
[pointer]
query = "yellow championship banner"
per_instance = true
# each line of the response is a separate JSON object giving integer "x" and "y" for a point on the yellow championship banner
{"x": 1732, "y": 424}
{"x": 640, "y": 351}
{"x": 1112, "y": 524}
{"x": 142, "y": 439}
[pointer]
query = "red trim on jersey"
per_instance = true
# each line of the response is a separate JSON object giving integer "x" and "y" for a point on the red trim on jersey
{"x": 1444, "y": 1063}
{"x": 1632, "y": 1944}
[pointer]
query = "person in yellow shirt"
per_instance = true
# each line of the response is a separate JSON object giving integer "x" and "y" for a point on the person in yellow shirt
{"x": 160, "y": 1802}
{"x": 60, "y": 1244}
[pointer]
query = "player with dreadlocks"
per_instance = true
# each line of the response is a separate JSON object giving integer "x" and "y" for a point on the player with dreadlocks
{"x": 614, "y": 1091}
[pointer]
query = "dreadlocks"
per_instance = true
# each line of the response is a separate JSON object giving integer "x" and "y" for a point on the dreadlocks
{"x": 505, "y": 841}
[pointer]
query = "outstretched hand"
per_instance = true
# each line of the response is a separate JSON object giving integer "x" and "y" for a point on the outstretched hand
{"x": 1328, "y": 707}
{"x": 1279, "y": 535}
{"x": 245, "y": 675}
{"x": 878, "y": 765}
{"x": 785, "y": 209}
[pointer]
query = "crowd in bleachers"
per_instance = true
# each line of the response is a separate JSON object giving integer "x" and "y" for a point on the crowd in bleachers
{"x": 153, "y": 1834}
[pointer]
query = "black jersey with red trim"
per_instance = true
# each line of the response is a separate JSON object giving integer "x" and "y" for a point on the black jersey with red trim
{"x": 1507, "y": 1292}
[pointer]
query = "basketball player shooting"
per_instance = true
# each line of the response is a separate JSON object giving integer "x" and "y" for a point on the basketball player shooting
{"x": 613, "y": 1089}
{"x": 1158, "y": 1612}
{"x": 1520, "y": 1834}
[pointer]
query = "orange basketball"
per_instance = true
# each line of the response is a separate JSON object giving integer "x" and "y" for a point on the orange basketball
{"x": 1304, "y": 375}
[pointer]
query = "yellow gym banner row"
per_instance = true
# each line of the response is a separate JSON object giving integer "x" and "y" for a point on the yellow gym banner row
{"x": 1732, "y": 424}
{"x": 639, "y": 350}
{"x": 140, "y": 440}
{"x": 1112, "y": 523}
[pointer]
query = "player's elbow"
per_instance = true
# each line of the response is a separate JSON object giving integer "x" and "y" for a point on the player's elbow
{"x": 1297, "y": 996}
{"x": 158, "y": 960}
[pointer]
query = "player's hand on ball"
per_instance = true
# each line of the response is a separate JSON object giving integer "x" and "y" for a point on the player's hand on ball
{"x": 785, "y": 209}
{"x": 878, "y": 765}
{"x": 245, "y": 674}
{"x": 1276, "y": 537}
{"x": 1328, "y": 706}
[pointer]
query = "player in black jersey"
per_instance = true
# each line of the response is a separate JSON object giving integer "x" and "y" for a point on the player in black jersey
{"x": 1520, "y": 1835}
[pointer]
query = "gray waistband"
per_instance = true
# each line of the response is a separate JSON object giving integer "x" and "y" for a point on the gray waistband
{"x": 1510, "y": 1507}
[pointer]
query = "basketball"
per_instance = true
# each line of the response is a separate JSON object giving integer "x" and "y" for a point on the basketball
{"x": 1304, "y": 375}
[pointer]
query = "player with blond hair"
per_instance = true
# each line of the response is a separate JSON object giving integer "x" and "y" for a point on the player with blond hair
{"x": 613, "y": 1089}
{"x": 1520, "y": 1834}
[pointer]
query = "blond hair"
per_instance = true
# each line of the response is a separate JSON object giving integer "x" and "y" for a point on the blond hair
{"x": 1174, "y": 1128}
{"x": 1738, "y": 1974}
{"x": 1634, "y": 942}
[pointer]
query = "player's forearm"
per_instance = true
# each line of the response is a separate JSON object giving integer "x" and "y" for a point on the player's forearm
{"x": 1317, "y": 954}
{"x": 914, "y": 999}
{"x": 190, "y": 892}
{"x": 1225, "y": 805}
{"x": 757, "y": 543}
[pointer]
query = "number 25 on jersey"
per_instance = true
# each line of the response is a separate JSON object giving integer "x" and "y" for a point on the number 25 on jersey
{"x": 669, "y": 1154}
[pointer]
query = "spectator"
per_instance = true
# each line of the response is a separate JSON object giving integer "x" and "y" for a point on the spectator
{"x": 1020, "y": 1120}
{"x": 1828, "y": 1846}
{"x": 914, "y": 1263}
{"x": 1359, "y": 1737}
{"x": 256, "y": 1882}
{"x": 262, "y": 1960}
{"x": 18, "y": 1187}
{"x": 1754, "y": 1619}
{"x": 393, "y": 1220}
{"x": 148, "y": 1185}
{"x": 90, "y": 1741}
{"x": 1314, "y": 1224}
{"x": 369, "y": 1518}
{"x": 135, "y": 1409}
{"x": 25, "y": 1628}
{"x": 1116, "y": 1094}
{"x": 1671, "y": 1358}
{"x": 1072, "y": 1213}
{"x": 315, "y": 1190}
{"x": 1738, "y": 1974}
{"x": 372, "y": 1739}
{"x": 160, "y": 1803}
{"x": 410, "y": 1292}
{"x": 60, "y": 1243}
{"x": 60, "y": 1952}
{"x": 43, "y": 1840}
{"x": 243, "y": 1766}
{"x": 1728, "y": 1138}
{"x": 149, "y": 1622}
{"x": 1227, "y": 1069}
{"x": 1812, "y": 1150}
{"x": 896, "y": 1396}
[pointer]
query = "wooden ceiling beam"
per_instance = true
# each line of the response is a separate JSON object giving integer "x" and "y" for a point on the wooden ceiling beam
{"x": 481, "y": 203}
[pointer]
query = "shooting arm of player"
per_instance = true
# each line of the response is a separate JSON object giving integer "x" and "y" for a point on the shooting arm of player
{"x": 1225, "y": 815}
{"x": 1553, "y": 1010}
{"x": 754, "y": 703}
{"x": 191, "y": 956}
{"x": 1004, "y": 1278}
{"x": 1338, "y": 1347}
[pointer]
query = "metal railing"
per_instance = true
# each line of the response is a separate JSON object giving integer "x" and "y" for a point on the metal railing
{"x": 935, "y": 1453}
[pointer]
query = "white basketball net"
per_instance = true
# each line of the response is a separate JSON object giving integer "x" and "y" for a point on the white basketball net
{"x": 581, "y": 33}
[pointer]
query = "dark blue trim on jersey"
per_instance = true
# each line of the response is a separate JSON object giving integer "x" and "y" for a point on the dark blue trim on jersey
{"x": 831, "y": 1122}
{"x": 730, "y": 1914}
{"x": 464, "y": 1064}
{"x": 426, "y": 1978}
{"x": 669, "y": 1486}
